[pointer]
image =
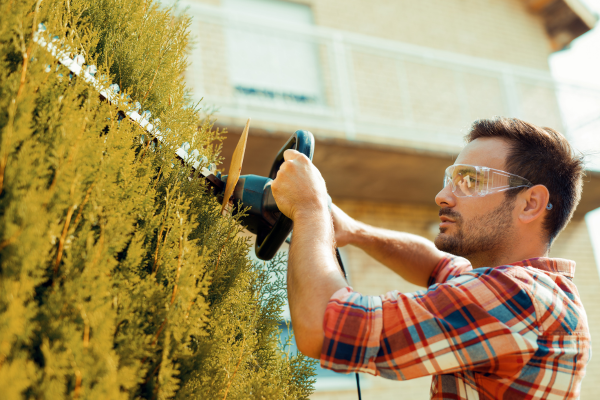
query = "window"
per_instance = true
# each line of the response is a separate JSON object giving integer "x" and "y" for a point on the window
{"x": 280, "y": 67}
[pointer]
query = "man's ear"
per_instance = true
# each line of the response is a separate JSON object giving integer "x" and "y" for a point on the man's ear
{"x": 535, "y": 201}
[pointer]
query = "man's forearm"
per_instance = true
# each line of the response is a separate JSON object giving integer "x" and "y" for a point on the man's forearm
{"x": 410, "y": 256}
{"x": 313, "y": 277}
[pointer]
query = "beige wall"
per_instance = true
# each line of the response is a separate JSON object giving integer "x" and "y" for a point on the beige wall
{"x": 371, "y": 278}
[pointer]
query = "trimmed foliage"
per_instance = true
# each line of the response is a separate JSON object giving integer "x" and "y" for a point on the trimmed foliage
{"x": 119, "y": 278}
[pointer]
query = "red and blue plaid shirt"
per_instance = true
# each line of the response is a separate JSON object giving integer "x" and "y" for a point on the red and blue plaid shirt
{"x": 516, "y": 331}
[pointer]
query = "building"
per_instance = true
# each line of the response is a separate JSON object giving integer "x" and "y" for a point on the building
{"x": 389, "y": 88}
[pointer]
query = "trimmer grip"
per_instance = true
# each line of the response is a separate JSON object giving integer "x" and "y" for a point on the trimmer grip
{"x": 301, "y": 141}
{"x": 268, "y": 241}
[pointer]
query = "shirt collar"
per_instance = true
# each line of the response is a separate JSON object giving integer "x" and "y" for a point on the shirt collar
{"x": 555, "y": 265}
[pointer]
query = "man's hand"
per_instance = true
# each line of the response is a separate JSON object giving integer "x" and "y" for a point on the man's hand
{"x": 299, "y": 188}
{"x": 346, "y": 228}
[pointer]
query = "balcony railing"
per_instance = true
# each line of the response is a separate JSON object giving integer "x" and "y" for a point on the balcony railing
{"x": 366, "y": 88}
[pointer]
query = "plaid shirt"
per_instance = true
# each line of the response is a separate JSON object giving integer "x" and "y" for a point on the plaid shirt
{"x": 516, "y": 331}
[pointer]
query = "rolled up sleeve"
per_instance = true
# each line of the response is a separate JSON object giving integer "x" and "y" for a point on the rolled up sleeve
{"x": 352, "y": 327}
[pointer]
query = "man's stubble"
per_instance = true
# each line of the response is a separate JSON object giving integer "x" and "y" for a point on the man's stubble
{"x": 486, "y": 234}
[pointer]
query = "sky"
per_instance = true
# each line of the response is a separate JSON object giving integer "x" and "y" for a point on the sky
{"x": 581, "y": 63}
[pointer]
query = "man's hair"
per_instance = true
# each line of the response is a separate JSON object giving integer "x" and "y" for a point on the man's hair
{"x": 544, "y": 157}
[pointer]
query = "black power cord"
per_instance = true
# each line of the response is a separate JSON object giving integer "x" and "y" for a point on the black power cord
{"x": 339, "y": 259}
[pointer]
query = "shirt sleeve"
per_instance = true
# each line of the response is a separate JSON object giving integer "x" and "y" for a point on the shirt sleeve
{"x": 463, "y": 324}
{"x": 449, "y": 267}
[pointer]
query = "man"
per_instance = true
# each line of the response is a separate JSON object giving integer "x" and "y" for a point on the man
{"x": 504, "y": 321}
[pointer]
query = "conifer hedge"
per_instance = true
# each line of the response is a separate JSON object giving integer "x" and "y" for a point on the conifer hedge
{"x": 119, "y": 278}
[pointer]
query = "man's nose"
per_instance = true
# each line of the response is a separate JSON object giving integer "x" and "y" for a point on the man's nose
{"x": 445, "y": 197}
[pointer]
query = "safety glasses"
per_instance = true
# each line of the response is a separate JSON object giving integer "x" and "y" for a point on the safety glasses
{"x": 471, "y": 180}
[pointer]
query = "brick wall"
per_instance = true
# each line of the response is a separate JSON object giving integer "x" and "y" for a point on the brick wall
{"x": 574, "y": 244}
{"x": 371, "y": 278}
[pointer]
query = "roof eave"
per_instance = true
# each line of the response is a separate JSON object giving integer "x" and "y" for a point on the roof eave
{"x": 565, "y": 20}
{"x": 584, "y": 13}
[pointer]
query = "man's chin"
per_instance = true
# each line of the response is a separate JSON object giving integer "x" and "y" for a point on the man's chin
{"x": 445, "y": 242}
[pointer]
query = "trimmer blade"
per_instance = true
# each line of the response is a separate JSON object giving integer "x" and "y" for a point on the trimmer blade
{"x": 235, "y": 167}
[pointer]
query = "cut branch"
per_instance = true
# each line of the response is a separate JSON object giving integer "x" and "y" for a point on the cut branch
{"x": 179, "y": 262}
{"x": 61, "y": 243}
{"x": 11, "y": 239}
{"x": 237, "y": 367}
{"x": 83, "y": 203}
{"x": 12, "y": 111}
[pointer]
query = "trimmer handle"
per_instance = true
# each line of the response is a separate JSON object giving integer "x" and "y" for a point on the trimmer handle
{"x": 268, "y": 241}
{"x": 301, "y": 141}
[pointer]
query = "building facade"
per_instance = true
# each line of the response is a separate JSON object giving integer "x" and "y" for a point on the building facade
{"x": 389, "y": 88}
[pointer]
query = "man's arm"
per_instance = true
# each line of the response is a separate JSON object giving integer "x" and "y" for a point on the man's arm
{"x": 313, "y": 273}
{"x": 410, "y": 256}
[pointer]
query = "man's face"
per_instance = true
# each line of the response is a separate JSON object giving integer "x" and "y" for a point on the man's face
{"x": 474, "y": 226}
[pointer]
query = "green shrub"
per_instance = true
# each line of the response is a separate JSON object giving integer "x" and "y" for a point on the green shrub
{"x": 119, "y": 278}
